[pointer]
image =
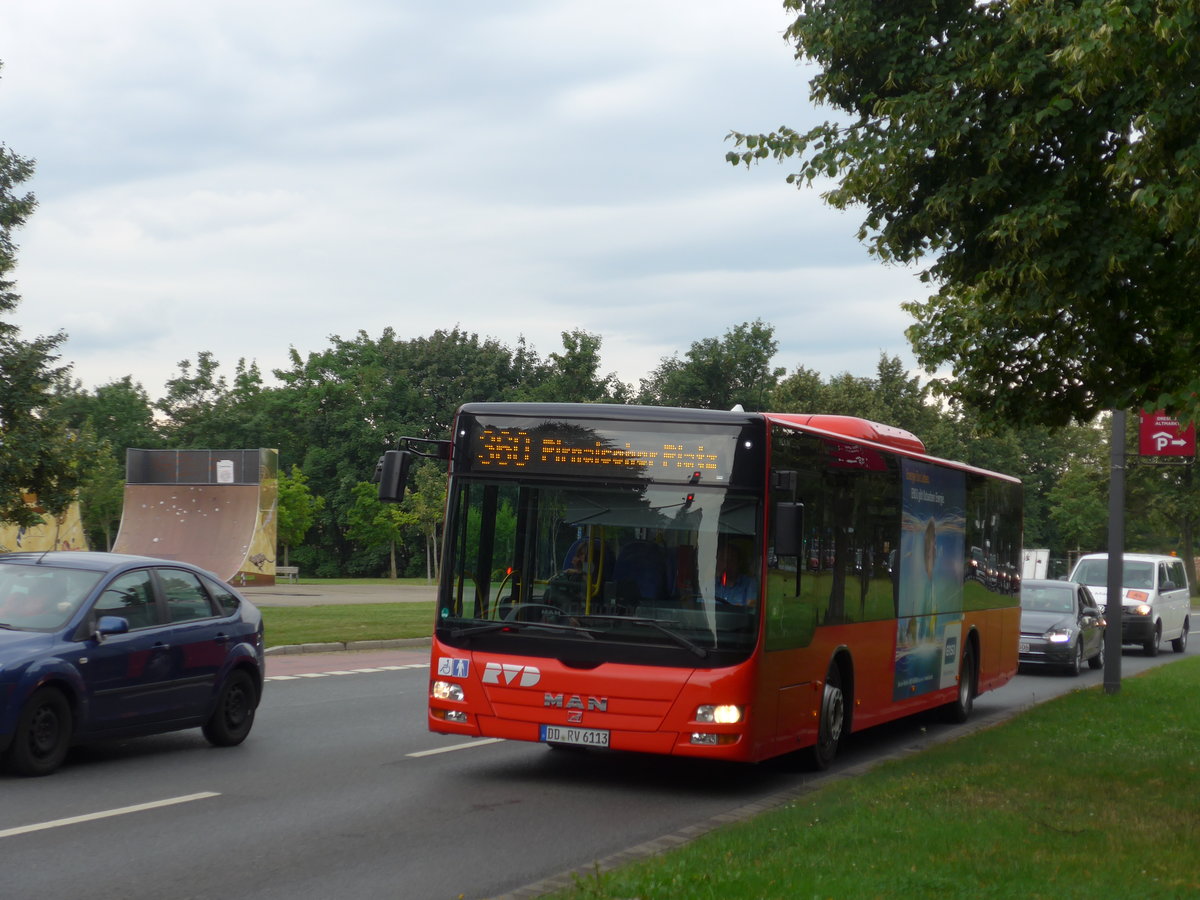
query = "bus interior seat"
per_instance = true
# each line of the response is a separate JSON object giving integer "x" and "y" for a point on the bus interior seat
{"x": 641, "y": 573}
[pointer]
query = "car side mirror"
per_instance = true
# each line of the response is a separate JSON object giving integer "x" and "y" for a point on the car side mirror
{"x": 107, "y": 625}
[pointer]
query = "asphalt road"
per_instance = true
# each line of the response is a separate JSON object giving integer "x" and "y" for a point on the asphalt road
{"x": 342, "y": 792}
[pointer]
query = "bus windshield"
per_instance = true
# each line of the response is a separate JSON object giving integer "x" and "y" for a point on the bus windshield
{"x": 653, "y": 573}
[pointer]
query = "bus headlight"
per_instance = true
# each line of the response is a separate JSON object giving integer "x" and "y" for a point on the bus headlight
{"x": 446, "y": 690}
{"x": 719, "y": 715}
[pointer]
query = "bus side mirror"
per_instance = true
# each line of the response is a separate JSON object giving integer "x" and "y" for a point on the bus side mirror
{"x": 789, "y": 528}
{"x": 391, "y": 473}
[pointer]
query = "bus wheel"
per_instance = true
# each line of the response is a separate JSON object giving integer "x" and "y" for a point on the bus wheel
{"x": 832, "y": 721}
{"x": 959, "y": 709}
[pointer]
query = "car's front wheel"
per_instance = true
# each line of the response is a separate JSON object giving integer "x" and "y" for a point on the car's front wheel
{"x": 1180, "y": 643}
{"x": 43, "y": 734}
{"x": 1150, "y": 647}
{"x": 1076, "y": 664}
{"x": 233, "y": 717}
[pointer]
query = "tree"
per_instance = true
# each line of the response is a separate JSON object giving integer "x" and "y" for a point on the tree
{"x": 378, "y": 524}
{"x": 426, "y": 502}
{"x": 1045, "y": 156}
{"x": 717, "y": 374}
{"x": 102, "y": 493}
{"x": 571, "y": 376}
{"x": 296, "y": 510}
{"x": 119, "y": 412}
{"x": 37, "y": 455}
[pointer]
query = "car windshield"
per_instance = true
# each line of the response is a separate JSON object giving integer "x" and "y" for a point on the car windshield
{"x": 633, "y": 565}
{"x": 1094, "y": 573}
{"x": 1052, "y": 598}
{"x": 41, "y": 598}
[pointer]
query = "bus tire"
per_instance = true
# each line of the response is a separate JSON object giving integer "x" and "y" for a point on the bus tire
{"x": 831, "y": 720}
{"x": 959, "y": 709}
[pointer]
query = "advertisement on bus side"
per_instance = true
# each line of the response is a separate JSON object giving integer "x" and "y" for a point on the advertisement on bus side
{"x": 932, "y": 545}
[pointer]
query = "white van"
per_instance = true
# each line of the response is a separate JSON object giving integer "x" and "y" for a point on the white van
{"x": 1154, "y": 597}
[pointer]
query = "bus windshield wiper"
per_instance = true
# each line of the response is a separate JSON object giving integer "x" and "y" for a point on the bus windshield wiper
{"x": 659, "y": 625}
{"x": 520, "y": 625}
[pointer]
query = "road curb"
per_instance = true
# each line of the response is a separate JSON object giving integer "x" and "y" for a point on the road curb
{"x": 343, "y": 646}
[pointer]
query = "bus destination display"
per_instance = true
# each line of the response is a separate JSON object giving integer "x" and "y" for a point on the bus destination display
{"x": 585, "y": 451}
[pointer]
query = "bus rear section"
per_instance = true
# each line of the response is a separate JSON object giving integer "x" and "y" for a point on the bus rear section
{"x": 716, "y": 584}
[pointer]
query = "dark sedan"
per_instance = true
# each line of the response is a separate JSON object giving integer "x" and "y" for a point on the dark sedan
{"x": 1061, "y": 626}
{"x": 102, "y": 645}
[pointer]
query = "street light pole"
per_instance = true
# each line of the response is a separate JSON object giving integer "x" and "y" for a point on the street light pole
{"x": 1114, "y": 608}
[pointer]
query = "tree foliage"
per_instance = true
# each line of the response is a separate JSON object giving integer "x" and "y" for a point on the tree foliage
{"x": 719, "y": 373}
{"x": 37, "y": 456}
{"x": 296, "y": 509}
{"x": 1042, "y": 158}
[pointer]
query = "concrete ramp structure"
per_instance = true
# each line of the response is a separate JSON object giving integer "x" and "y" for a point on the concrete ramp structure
{"x": 212, "y": 508}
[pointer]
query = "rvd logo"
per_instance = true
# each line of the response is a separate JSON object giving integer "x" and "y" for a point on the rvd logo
{"x": 524, "y": 676}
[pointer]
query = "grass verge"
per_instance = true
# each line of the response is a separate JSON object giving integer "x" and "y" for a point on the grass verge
{"x": 1076, "y": 797}
{"x": 346, "y": 622}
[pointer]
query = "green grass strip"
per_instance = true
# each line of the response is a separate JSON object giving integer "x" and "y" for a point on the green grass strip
{"x": 346, "y": 622}
{"x": 1083, "y": 795}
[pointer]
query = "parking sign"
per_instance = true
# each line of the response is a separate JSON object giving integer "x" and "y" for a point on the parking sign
{"x": 1160, "y": 435}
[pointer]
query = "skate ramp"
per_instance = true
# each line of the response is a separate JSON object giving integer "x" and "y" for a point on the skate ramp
{"x": 212, "y": 508}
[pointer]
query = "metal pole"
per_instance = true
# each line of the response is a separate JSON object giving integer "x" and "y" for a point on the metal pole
{"x": 1116, "y": 554}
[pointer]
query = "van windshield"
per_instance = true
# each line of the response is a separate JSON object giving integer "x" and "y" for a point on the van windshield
{"x": 1094, "y": 573}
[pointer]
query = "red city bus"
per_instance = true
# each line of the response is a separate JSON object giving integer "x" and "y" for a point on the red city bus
{"x": 727, "y": 585}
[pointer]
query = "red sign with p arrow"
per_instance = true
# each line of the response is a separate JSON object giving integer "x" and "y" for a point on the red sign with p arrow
{"x": 1160, "y": 435}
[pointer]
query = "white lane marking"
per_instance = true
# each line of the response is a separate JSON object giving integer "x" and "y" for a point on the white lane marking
{"x": 347, "y": 672}
{"x": 478, "y": 743}
{"x": 106, "y": 814}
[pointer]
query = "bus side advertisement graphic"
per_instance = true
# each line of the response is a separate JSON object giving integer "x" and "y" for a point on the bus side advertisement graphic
{"x": 932, "y": 550}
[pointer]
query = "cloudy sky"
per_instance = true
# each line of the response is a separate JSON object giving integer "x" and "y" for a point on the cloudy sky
{"x": 249, "y": 177}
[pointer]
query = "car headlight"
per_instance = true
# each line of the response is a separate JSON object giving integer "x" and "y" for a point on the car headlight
{"x": 1059, "y": 635}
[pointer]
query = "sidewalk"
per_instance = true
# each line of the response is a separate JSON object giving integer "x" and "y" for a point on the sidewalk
{"x": 285, "y": 594}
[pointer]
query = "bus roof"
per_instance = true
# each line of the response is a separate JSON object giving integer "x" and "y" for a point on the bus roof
{"x": 849, "y": 427}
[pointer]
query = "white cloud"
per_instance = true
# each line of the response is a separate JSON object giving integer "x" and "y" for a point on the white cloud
{"x": 245, "y": 178}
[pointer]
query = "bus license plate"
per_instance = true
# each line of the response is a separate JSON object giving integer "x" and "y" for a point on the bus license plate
{"x": 587, "y": 737}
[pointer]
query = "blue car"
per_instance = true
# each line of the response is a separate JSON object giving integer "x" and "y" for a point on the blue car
{"x": 103, "y": 645}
